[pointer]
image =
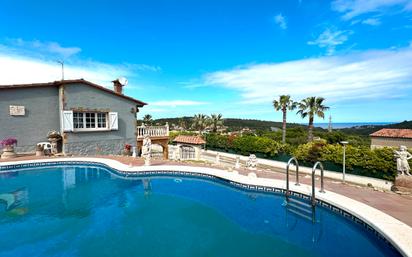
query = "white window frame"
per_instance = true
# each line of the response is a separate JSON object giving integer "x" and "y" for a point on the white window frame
{"x": 96, "y": 128}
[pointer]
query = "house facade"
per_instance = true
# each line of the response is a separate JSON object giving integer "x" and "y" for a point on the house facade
{"x": 391, "y": 138}
{"x": 90, "y": 118}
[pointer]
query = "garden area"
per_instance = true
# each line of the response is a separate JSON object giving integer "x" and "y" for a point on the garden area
{"x": 360, "y": 159}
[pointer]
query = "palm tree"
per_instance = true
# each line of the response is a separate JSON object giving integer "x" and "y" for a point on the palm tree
{"x": 216, "y": 121}
{"x": 147, "y": 120}
{"x": 312, "y": 106}
{"x": 200, "y": 122}
{"x": 284, "y": 104}
{"x": 183, "y": 123}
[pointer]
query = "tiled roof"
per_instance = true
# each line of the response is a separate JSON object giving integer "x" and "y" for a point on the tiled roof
{"x": 395, "y": 133}
{"x": 74, "y": 81}
{"x": 193, "y": 140}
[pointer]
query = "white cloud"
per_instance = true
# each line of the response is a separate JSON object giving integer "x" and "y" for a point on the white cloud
{"x": 35, "y": 62}
{"x": 367, "y": 75}
{"x": 18, "y": 69}
{"x": 281, "y": 21}
{"x": 353, "y": 8}
{"x": 372, "y": 22}
{"x": 330, "y": 39}
{"x": 176, "y": 103}
{"x": 44, "y": 47}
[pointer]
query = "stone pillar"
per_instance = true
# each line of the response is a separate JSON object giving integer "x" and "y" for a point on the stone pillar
{"x": 197, "y": 153}
{"x": 165, "y": 150}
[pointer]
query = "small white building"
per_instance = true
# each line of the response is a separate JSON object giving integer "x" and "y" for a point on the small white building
{"x": 189, "y": 147}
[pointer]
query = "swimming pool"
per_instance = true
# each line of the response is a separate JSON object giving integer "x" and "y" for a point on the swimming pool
{"x": 91, "y": 211}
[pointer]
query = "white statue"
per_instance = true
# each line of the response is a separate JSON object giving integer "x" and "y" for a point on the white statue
{"x": 147, "y": 149}
{"x": 237, "y": 164}
{"x": 402, "y": 157}
{"x": 251, "y": 163}
{"x": 217, "y": 161}
{"x": 134, "y": 152}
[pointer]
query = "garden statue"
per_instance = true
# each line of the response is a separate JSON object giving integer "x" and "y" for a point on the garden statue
{"x": 237, "y": 164}
{"x": 54, "y": 137}
{"x": 402, "y": 157}
{"x": 134, "y": 154}
{"x": 251, "y": 162}
{"x": 217, "y": 161}
{"x": 147, "y": 149}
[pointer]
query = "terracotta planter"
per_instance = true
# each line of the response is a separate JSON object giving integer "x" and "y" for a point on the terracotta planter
{"x": 8, "y": 152}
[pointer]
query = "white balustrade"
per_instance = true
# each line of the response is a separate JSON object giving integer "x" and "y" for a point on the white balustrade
{"x": 153, "y": 131}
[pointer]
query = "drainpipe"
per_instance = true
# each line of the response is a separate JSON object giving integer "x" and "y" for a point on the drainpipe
{"x": 61, "y": 108}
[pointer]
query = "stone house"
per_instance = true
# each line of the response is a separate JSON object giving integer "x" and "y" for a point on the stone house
{"x": 391, "y": 138}
{"x": 90, "y": 118}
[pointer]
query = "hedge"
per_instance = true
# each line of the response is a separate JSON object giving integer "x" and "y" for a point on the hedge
{"x": 360, "y": 160}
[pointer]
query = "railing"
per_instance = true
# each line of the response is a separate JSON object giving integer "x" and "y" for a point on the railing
{"x": 313, "y": 181}
{"x": 287, "y": 175}
{"x": 313, "y": 199}
{"x": 152, "y": 131}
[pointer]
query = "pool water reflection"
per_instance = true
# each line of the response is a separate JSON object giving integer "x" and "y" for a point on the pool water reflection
{"x": 88, "y": 211}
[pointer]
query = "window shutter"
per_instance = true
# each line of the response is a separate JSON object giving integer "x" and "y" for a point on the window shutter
{"x": 67, "y": 121}
{"x": 113, "y": 121}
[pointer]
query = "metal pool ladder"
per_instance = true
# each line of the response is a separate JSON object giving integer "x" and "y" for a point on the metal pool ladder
{"x": 313, "y": 197}
{"x": 301, "y": 208}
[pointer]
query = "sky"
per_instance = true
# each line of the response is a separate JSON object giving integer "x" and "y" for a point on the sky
{"x": 232, "y": 57}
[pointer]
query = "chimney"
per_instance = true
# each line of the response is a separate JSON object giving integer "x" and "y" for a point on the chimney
{"x": 118, "y": 87}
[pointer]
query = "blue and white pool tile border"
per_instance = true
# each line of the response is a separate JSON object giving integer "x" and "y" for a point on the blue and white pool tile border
{"x": 387, "y": 228}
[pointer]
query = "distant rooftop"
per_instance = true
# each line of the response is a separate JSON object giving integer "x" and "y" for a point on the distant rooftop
{"x": 393, "y": 133}
{"x": 192, "y": 140}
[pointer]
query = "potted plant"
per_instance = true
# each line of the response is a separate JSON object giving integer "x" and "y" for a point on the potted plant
{"x": 8, "y": 147}
{"x": 39, "y": 150}
{"x": 127, "y": 150}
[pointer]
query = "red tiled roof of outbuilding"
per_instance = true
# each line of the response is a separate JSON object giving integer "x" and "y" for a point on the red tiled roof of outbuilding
{"x": 393, "y": 133}
{"x": 193, "y": 140}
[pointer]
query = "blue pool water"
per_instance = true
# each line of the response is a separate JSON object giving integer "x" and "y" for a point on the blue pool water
{"x": 88, "y": 211}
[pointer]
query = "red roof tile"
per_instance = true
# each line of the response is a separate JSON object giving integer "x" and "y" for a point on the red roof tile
{"x": 395, "y": 133}
{"x": 193, "y": 140}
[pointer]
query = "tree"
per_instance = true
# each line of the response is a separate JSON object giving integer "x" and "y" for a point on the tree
{"x": 216, "y": 121}
{"x": 311, "y": 107}
{"x": 200, "y": 122}
{"x": 147, "y": 120}
{"x": 183, "y": 123}
{"x": 284, "y": 104}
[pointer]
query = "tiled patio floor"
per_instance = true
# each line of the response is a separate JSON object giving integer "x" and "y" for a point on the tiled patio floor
{"x": 398, "y": 206}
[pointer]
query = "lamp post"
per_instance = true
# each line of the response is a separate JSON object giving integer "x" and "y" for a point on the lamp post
{"x": 344, "y": 143}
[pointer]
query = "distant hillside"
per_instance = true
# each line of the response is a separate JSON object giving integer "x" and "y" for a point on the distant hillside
{"x": 233, "y": 124}
{"x": 369, "y": 129}
{"x": 238, "y": 124}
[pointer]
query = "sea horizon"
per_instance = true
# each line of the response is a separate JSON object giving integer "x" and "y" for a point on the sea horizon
{"x": 340, "y": 125}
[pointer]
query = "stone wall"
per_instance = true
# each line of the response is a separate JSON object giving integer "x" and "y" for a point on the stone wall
{"x": 100, "y": 147}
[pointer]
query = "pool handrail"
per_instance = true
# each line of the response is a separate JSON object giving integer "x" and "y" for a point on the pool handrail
{"x": 293, "y": 159}
{"x": 313, "y": 181}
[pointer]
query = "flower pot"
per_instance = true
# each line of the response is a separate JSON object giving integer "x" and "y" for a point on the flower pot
{"x": 8, "y": 152}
